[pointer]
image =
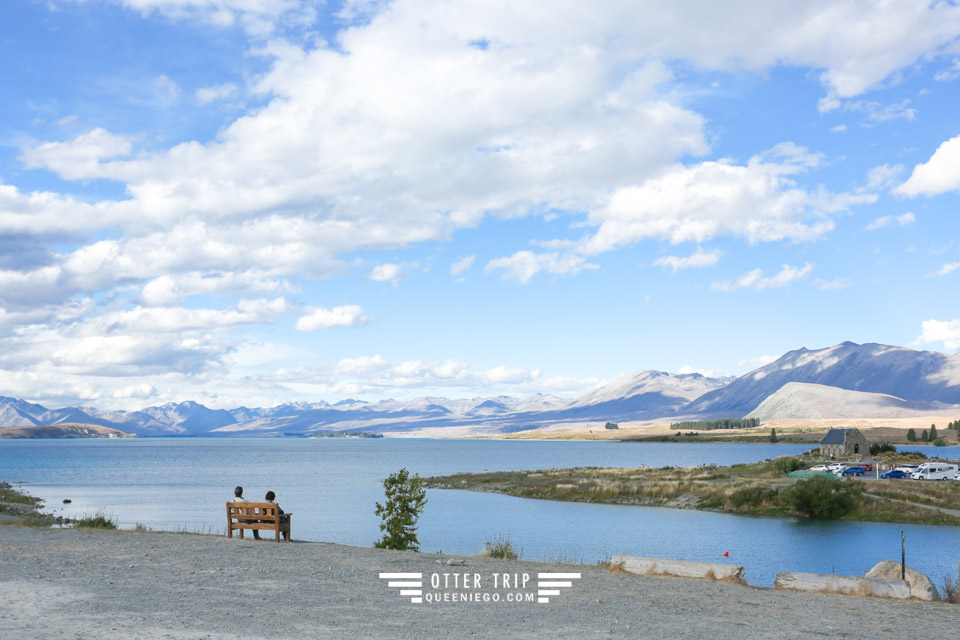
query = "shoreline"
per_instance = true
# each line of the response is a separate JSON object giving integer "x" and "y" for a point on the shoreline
{"x": 82, "y": 583}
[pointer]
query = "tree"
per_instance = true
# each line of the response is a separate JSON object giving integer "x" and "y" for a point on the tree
{"x": 820, "y": 497}
{"x": 925, "y": 437}
{"x": 933, "y": 432}
{"x": 773, "y": 435}
{"x": 405, "y": 501}
{"x": 911, "y": 435}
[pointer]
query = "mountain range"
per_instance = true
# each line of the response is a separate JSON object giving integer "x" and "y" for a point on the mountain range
{"x": 848, "y": 380}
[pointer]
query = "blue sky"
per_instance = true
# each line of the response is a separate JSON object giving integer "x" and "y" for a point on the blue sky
{"x": 257, "y": 201}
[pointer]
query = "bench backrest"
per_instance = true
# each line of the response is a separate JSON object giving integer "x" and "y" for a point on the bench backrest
{"x": 262, "y": 511}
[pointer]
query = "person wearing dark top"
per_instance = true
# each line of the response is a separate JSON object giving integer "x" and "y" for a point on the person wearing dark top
{"x": 270, "y": 497}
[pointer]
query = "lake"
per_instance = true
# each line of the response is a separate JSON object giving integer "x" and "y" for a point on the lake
{"x": 332, "y": 484}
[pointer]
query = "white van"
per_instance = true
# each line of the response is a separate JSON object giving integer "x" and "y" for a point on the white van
{"x": 935, "y": 471}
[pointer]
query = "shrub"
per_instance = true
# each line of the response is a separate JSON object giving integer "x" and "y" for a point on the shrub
{"x": 950, "y": 590}
{"x": 500, "y": 549}
{"x": 882, "y": 447}
{"x": 939, "y": 443}
{"x": 786, "y": 464}
{"x": 822, "y": 497}
{"x": 611, "y": 425}
{"x": 751, "y": 496}
{"x": 97, "y": 521}
{"x": 404, "y": 504}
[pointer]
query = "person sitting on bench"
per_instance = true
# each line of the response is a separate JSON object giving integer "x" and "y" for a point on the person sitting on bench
{"x": 270, "y": 497}
{"x": 238, "y": 497}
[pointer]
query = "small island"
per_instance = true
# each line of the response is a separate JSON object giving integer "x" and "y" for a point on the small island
{"x": 68, "y": 430}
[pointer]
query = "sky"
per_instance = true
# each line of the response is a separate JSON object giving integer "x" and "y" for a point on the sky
{"x": 249, "y": 202}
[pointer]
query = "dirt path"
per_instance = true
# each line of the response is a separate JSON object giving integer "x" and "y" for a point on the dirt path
{"x": 71, "y": 584}
{"x": 949, "y": 512}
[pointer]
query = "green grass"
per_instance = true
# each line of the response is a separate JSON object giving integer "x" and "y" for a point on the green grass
{"x": 97, "y": 521}
{"x": 500, "y": 549}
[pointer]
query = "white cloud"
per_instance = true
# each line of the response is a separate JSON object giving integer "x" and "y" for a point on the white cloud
{"x": 698, "y": 258}
{"x": 78, "y": 158}
{"x": 136, "y": 391}
{"x": 350, "y": 315}
{"x": 386, "y": 273}
{"x": 941, "y": 173}
{"x": 206, "y": 95}
{"x": 461, "y": 265}
{"x": 892, "y": 221}
{"x": 523, "y": 265}
{"x": 258, "y": 17}
{"x": 883, "y": 176}
{"x": 939, "y": 331}
{"x": 754, "y": 279}
{"x": 756, "y": 362}
{"x": 945, "y": 270}
{"x": 840, "y": 128}
{"x": 167, "y": 89}
{"x": 950, "y": 73}
{"x": 875, "y": 113}
{"x": 757, "y": 201}
{"x": 836, "y": 284}
{"x": 709, "y": 373}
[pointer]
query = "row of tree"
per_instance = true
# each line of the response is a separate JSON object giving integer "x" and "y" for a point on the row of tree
{"x": 722, "y": 423}
{"x": 925, "y": 436}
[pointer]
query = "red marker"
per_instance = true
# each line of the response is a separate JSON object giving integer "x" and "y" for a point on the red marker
{"x": 726, "y": 553}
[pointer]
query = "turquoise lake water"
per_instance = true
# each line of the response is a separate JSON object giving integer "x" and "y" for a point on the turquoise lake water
{"x": 331, "y": 485}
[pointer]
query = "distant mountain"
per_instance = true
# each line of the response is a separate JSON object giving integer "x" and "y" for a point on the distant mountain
{"x": 805, "y": 400}
{"x": 643, "y": 395}
{"x": 925, "y": 376}
{"x": 848, "y": 380}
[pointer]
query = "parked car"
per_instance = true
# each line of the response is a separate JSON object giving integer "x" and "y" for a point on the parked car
{"x": 852, "y": 471}
{"x": 819, "y": 467}
{"x": 894, "y": 474}
{"x": 935, "y": 471}
{"x": 837, "y": 466}
{"x": 867, "y": 466}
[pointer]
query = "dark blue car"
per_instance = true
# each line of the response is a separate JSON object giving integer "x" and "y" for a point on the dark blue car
{"x": 853, "y": 471}
{"x": 894, "y": 474}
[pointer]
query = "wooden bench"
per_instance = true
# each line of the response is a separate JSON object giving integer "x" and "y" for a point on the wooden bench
{"x": 260, "y": 516}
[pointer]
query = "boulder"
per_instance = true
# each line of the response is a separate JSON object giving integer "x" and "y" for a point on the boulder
{"x": 677, "y": 568}
{"x": 920, "y": 585}
{"x": 844, "y": 585}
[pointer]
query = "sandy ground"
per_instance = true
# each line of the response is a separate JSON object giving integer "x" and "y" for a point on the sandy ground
{"x": 100, "y": 584}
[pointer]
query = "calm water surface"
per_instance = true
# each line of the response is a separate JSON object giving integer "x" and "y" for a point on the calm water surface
{"x": 332, "y": 485}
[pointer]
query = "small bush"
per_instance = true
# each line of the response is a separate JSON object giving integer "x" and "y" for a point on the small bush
{"x": 939, "y": 443}
{"x": 822, "y": 498}
{"x": 751, "y": 496}
{"x": 786, "y": 464}
{"x": 882, "y": 447}
{"x": 950, "y": 590}
{"x": 611, "y": 425}
{"x": 97, "y": 521}
{"x": 500, "y": 549}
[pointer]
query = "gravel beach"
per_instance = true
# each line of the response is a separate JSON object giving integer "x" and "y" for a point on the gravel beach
{"x": 63, "y": 583}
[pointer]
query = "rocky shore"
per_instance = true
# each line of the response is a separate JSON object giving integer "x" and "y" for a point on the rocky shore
{"x": 70, "y": 584}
